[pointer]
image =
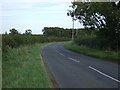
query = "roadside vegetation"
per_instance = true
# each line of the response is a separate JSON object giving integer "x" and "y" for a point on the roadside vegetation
{"x": 23, "y": 68}
{"x": 22, "y": 65}
{"x": 101, "y": 24}
{"x": 106, "y": 55}
{"x": 14, "y": 39}
{"x": 100, "y": 36}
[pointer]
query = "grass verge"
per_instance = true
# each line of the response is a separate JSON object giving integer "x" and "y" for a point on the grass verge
{"x": 106, "y": 55}
{"x": 23, "y": 68}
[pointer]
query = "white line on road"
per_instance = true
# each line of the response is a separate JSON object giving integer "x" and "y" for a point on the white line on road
{"x": 104, "y": 74}
{"x": 74, "y": 60}
{"x": 68, "y": 57}
{"x": 56, "y": 51}
{"x": 60, "y": 53}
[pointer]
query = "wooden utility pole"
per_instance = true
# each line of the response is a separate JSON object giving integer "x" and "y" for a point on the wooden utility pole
{"x": 73, "y": 29}
{"x": 73, "y": 26}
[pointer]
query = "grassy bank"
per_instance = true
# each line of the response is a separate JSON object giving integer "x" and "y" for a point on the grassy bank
{"x": 106, "y": 55}
{"x": 23, "y": 68}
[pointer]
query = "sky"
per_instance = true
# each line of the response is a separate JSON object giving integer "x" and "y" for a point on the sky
{"x": 34, "y": 15}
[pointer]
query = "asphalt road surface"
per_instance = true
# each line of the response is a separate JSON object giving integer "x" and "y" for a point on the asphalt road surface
{"x": 73, "y": 70}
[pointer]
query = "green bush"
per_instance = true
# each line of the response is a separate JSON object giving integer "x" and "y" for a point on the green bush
{"x": 13, "y": 41}
{"x": 93, "y": 41}
{"x": 86, "y": 41}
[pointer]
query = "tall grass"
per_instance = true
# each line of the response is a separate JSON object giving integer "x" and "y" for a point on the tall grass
{"x": 23, "y": 68}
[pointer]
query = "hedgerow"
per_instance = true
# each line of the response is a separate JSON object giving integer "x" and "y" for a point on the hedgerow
{"x": 13, "y": 41}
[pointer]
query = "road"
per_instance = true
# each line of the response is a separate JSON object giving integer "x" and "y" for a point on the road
{"x": 73, "y": 70}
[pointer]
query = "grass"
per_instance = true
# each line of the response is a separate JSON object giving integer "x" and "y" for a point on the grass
{"x": 23, "y": 68}
{"x": 106, "y": 55}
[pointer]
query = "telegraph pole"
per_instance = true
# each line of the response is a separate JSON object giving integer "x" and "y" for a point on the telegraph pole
{"x": 73, "y": 26}
{"x": 73, "y": 29}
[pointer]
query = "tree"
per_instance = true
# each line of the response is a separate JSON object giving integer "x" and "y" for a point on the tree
{"x": 5, "y": 33}
{"x": 104, "y": 16}
{"x": 13, "y": 31}
{"x": 57, "y": 32}
{"x": 28, "y": 32}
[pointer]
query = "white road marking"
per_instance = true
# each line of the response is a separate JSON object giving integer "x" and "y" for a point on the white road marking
{"x": 74, "y": 60}
{"x": 104, "y": 74}
{"x": 56, "y": 51}
{"x": 60, "y": 53}
{"x": 68, "y": 57}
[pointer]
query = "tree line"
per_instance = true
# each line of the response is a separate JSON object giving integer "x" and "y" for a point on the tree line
{"x": 56, "y": 31}
{"x": 14, "y": 39}
{"x": 61, "y": 32}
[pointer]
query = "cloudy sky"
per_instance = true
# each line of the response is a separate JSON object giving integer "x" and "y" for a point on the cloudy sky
{"x": 34, "y": 15}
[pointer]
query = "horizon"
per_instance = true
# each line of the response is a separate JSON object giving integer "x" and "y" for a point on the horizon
{"x": 35, "y": 33}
